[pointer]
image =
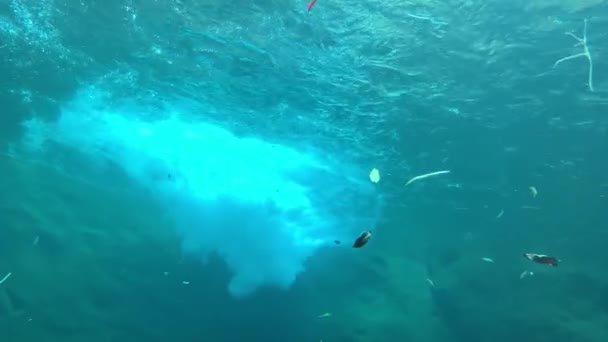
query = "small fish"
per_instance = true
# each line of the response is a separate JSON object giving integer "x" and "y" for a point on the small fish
{"x": 362, "y": 239}
{"x": 327, "y": 314}
{"x": 488, "y": 260}
{"x": 337, "y": 242}
{"x": 311, "y": 4}
{"x": 542, "y": 259}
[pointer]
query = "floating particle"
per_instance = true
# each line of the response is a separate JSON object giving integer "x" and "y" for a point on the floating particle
{"x": 374, "y": 175}
{"x": 428, "y": 280}
{"x": 488, "y": 260}
{"x": 525, "y": 274}
{"x": 500, "y": 214}
{"x": 533, "y": 191}
{"x": 5, "y": 277}
{"x": 426, "y": 175}
{"x": 186, "y": 282}
{"x": 324, "y": 315}
{"x": 529, "y": 207}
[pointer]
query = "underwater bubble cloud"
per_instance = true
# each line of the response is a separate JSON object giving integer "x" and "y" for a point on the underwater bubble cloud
{"x": 264, "y": 208}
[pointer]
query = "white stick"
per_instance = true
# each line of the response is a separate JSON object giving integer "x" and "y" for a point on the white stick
{"x": 425, "y": 176}
{"x": 585, "y": 53}
{"x": 5, "y": 277}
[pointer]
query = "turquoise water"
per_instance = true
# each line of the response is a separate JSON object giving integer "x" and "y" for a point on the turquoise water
{"x": 199, "y": 171}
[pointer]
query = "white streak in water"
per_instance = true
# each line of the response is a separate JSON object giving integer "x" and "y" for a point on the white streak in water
{"x": 425, "y": 176}
{"x": 5, "y": 277}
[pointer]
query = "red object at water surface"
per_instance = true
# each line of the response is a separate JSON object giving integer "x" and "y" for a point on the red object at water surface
{"x": 311, "y": 4}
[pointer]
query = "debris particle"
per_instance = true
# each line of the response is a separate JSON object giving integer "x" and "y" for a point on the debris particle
{"x": 488, "y": 260}
{"x": 374, "y": 175}
{"x": 525, "y": 274}
{"x": 186, "y": 282}
{"x": 533, "y": 191}
{"x": 5, "y": 277}
{"x": 165, "y": 273}
{"x": 324, "y": 315}
{"x": 430, "y": 282}
{"x": 530, "y": 207}
{"x": 500, "y": 214}
{"x": 426, "y": 175}
{"x": 36, "y": 240}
